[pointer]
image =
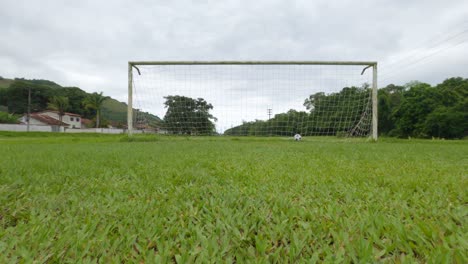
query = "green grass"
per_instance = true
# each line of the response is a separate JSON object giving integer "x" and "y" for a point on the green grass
{"x": 93, "y": 198}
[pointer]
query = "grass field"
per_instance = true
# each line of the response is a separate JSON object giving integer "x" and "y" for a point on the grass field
{"x": 95, "y": 198}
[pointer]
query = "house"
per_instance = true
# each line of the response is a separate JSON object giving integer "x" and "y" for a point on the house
{"x": 51, "y": 118}
{"x": 42, "y": 120}
{"x": 73, "y": 120}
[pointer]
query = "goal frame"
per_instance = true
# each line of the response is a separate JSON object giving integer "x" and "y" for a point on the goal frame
{"x": 366, "y": 64}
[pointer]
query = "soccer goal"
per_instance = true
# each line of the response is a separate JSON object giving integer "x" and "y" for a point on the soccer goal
{"x": 253, "y": 98}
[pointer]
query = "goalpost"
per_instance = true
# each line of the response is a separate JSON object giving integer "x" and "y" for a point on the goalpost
{"x": 253, "y": 98}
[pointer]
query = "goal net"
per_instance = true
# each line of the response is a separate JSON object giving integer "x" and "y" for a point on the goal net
{"x": 253, "y": 98}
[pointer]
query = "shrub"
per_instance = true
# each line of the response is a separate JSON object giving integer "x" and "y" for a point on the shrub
{"x": 6, "y": 118}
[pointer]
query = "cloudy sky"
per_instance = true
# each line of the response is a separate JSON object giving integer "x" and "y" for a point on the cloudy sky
{"x": 88, "y": 43}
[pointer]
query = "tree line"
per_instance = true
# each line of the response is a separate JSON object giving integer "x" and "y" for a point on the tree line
{"x": 413, "y": 110}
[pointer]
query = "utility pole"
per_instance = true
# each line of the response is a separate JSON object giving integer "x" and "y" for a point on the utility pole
{"x": 269, "y": 113}
{"x": 28, "y": 117}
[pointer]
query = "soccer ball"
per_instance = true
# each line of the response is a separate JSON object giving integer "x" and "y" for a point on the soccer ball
{"x": 297, "y": 137}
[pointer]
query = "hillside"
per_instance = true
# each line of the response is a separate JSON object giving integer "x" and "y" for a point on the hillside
{"x": 13, "y": 97}
{"x": 114, "y": 110}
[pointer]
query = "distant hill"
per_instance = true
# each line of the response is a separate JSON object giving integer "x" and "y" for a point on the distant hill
{"x": 13, "y": 97}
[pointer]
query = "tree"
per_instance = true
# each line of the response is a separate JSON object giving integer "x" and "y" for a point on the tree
{"x": 16, "y": 97}
{"x": 76, "y": 97}
{"x": 59, "y": 104}
{"x": 186, "y": 115}
{"x": 445, "y": 122}
{"x": 450, "y": 119}
{"x": 417, "y": 103}
{"x": 314, "y": 100}
{"x": 389, "y": 98}
{"x": 95, "y": 101}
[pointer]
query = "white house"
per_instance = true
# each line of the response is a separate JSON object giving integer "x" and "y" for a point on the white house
{"x": 42, "y": 120}
{"x": 51, "y": 118}
{"x": 73, "y": 120}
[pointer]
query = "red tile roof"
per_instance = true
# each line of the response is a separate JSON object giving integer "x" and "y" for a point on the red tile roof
{"x": 47, "y": 119}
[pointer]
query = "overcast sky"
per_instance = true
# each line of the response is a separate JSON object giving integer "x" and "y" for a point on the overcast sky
{"x": 88, "y": 43}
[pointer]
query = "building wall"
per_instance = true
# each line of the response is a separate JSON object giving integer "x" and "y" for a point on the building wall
{"x": 37, "y": 128}
{"x": 24, "y": 128}
{"x": 32, "y": 121}
{"x": 97, "y": 130}
{"x": 73, "y": 121}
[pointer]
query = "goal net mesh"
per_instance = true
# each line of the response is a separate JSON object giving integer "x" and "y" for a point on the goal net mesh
{"x": 252, "y": 99}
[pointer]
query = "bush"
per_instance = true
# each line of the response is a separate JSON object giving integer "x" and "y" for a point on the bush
{"x": 6, "y": 118}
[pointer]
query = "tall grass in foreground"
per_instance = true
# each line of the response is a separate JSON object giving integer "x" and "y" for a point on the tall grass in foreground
{"x": 226, "y": 199}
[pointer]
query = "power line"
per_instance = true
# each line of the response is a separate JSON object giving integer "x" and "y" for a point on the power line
{"x": 418, "y": 50}
{"x": 413, "y": 63}
{"x": 422, "y": 44}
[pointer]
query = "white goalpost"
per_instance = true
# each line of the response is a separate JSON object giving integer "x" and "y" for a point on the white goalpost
{"x": 253, "y": 98}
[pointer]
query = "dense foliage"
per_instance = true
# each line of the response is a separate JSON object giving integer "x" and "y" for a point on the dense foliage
{"x": 190, "y": 116}
{"x": 420, "y": 110}
{"x": 414, "y": 110}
